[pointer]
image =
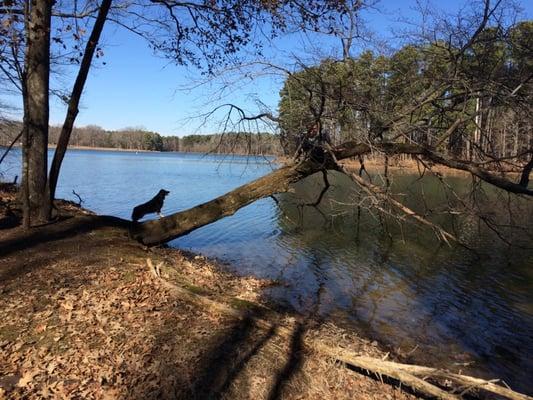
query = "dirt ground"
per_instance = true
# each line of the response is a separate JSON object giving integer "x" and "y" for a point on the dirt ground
{"x": 82, "y": 315}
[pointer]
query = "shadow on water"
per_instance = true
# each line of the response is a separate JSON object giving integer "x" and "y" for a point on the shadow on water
{"x": 454, "y": 307}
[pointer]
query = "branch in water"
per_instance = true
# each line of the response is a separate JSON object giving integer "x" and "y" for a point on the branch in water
{"x": 378, "y": 192}
{"x": 165, "y": 229}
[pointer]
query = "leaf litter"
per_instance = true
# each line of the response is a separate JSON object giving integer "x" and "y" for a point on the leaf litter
{"x": 82, "y": 317}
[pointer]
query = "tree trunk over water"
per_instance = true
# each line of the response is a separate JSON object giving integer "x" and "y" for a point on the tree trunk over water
{"x": 162, "y": 230}
{"x": 165, "y": 229}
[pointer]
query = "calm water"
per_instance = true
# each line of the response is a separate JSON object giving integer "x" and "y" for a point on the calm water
{"x": 447, "y": 305}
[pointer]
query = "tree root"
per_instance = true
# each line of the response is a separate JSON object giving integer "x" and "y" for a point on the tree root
{"x": 416, "y": 376}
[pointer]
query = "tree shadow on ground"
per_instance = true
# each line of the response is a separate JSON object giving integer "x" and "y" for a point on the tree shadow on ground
{"x": 78, "y": 241}
{"x": 292, "y": 365}
{"x": 10, "y": 221}
{"x": 20, "y": 240}
{"x": 224, "y": 361}
{"x": 226, "y": 358}
{"x": 244, "y": 359}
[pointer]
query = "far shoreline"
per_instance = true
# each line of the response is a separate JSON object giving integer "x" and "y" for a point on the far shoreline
{"x": 373, "y": 165}
{"x": 76, "y": 147}
{"x": 53, "y": 146}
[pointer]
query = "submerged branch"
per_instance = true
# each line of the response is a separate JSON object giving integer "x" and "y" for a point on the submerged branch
{"x": 378, "y": 192}
{"x": 165, "y": 229}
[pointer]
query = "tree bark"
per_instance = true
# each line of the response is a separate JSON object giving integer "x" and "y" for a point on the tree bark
{"x": 159, "y": 231}
{"x": 164, "y": 229}
{"x": 75, "y": 96}
{"x": 36, "y": 110}
{"x": 524, "y": 177}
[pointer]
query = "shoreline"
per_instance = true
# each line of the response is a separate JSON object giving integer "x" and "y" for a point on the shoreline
{"x": 104, "y": 295}
{"x": 157, "y": 151}
{"x": 53, "y": 146}
{"x": 110, "y": 269}
{"x": 373, "y": 165}
{"x": 109, "y": 149}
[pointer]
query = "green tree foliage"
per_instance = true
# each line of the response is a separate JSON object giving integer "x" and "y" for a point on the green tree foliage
{"x": 152, "y": 141}
{"x": 420, "y": 91}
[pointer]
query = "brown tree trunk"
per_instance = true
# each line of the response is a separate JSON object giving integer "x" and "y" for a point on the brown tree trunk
{"x": 165, "y": 229}
{"x": 524, "y": 177}
{"x": 162, "y": 230}
{"x": 25, "y": 190}
{"x": 75, "y": 96}
{"x": 37, "y": 72}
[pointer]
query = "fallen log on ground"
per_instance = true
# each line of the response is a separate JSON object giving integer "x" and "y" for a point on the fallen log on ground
{"x": 408, "y": 371}
{"x": 422, "y": 379}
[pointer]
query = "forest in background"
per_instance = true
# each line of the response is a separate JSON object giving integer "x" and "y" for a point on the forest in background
{"x": 481, "y": 113}
{"x": 141, "y": 139}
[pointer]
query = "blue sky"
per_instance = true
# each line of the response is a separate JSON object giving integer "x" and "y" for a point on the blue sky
{"x": 136, "y": 88}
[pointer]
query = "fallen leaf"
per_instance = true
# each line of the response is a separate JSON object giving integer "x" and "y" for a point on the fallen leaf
{"x": 51, "y": 367}
{"x": 27, "y": 378}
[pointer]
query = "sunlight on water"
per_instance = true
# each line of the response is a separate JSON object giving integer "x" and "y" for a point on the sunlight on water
{"x": 455, "y": 304}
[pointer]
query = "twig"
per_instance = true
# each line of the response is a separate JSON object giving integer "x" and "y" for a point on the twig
{"x": 11, "y": 146}
{"x": 80, "y": 200}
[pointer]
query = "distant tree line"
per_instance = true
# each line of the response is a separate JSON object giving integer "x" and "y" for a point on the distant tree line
{"x": 141, "y": 139}
{"x": 232, "y": 143}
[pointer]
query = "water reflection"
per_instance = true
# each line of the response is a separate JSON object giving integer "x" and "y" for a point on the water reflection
{"x": 402, "y": 286}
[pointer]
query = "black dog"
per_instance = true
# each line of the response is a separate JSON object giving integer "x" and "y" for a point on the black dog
{"x": 152, "y": 206}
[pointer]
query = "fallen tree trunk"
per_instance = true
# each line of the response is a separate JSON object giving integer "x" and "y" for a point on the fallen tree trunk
{"x": 406, "y": 373}
{"x": 159, "y": 231}
{"x": 354, "y": 149}
{"x": 164, "y": 229}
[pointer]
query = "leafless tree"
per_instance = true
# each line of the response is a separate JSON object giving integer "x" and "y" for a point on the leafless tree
{"x": 422, "y": 126}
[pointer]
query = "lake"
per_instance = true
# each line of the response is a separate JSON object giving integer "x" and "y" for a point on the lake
{"x": 394, "y": 282}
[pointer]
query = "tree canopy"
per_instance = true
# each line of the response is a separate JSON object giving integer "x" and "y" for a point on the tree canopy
{"x": 487, "y": 90}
